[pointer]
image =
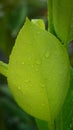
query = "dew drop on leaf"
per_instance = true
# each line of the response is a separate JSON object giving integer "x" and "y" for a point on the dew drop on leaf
{"x": 42, "y": 85}
{"x": 38, "y": 32}
{"x": 19, "y": 87}
{"x": 37, "y": 69}
{"x": 43, "y": 104}
{"x": 22, "y": 63}
{"x": 47, "y": 55}
{"x": 38, "y": 62}
{"x": 32, "y": 66}
{"x": 26, "y": 81}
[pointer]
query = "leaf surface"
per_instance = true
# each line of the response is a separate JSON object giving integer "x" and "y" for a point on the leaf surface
{"x": 63, "y": 19}
{"x": 38, "y": 72}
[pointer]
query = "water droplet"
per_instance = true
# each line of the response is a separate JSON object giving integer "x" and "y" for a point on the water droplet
{"x": 47, "y": 55}
{"x": 22, "y": 63}
{"x": 19, "y": 88}
{"x": 29, "y": 59}
{"x": 43, "y": 104}
{"x": 37, "y": 69}
{"x": 38, "y": 62}
{"x": 31, "y": 85}
{"x": 32, "y": 66}
{"x": 42, "y": 85}
{"x": 38, "y": 32}
{"x": 26, "y": 81}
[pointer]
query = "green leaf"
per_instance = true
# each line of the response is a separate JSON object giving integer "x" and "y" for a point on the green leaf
{"x": 67, "y": 111}
{"x": 39, "y": 22}
{"x": 38, "y": 72}
{"x": 17, "y": 17}
{"x": 42, "y": 125}
{"x": 3, "y": 68}
{"x": 62, "y": 19}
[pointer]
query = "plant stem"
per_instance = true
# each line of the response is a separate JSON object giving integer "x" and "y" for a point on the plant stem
{"x": 41, "y": 124}
{"x": 51, "y": 125}
{"x": 50, "y": 15}
{"x": 59, "y": 122}
{"x": 3, "y": 68}
{"x": 45, "y": 125}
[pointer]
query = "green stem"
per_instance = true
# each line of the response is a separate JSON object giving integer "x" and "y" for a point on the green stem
{"x": 45, "y": 125}
{"x": 51, "y": 125}
{"x": 41, "y": 124}
{"x": 3, "y": 68}
{"x": 50, "y": 15}
{"x": 59, "y": 122}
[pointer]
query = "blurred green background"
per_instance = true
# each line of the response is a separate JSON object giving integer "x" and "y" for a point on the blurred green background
{"x": 12, "y": 18}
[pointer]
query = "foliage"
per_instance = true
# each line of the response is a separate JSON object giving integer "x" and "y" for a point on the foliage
{"x": 45, "y": 63}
